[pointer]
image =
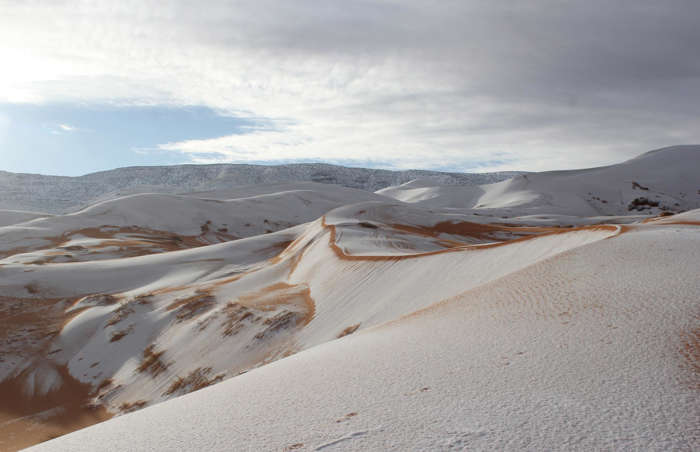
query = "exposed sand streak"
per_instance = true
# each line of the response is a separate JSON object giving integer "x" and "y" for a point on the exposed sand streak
{"x": 341, "y": 254}
{"x": 690, "y": 350}
{"x": 134, "y": 241}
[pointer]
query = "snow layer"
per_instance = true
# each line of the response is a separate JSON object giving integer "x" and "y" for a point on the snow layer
{"x": 581, "y": 351}
{"x": 506, "y": 336}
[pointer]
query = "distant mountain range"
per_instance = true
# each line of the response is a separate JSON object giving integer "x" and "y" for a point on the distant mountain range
{"x": 60, "y": 194}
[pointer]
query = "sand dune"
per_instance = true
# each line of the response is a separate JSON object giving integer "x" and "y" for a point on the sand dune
{"x": 552, "y": 356}
{"x": 361, "y": 320}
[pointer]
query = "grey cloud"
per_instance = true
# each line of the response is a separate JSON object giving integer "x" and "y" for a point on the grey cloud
{"x": 621, "y": 76}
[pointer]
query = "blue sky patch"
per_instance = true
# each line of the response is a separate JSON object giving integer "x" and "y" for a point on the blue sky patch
{"x": 72, "y": 140}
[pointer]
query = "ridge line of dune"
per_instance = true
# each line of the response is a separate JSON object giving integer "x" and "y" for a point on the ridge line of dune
{"x": 341, "y": 254}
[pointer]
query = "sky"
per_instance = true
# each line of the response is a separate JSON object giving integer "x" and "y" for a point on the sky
{"x": 464, "y": 85}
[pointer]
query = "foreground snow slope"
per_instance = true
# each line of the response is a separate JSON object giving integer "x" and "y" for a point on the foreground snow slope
{"x": 592, "y": 349}
{"x": 665, "y": 179}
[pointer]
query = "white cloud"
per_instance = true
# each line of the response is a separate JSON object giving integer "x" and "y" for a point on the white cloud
{"x": 66, "y": 127}
{"x": 459, "y": 84}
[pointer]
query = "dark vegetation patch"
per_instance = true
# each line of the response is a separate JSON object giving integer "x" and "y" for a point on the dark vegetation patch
{"x": 32, "y": 288}
{"x": 283, "y": 320}
{"x": 152, "y": 362}
{"x": 642, "y": 203}
{"x": 119, "y": 335}
{"x": 100, "y": 299}
{"x": 120, "y": 314}
{"x": 107, "y": 382}
{"x": 368, "y": 225}
{"x": 190, "y": 307}
{"x": 128, "y": 407}
{"x": 236, "y": 315}
{"x": 195, "y": 380}
{"x": 347, "y": 417}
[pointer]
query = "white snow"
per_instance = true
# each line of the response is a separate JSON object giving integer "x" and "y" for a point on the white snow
{"x": 581, "y": 351}
{"x": 669, "y": 177}
{"x": 427, "y": 316}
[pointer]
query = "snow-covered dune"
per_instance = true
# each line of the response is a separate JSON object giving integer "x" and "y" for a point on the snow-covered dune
{"x": 554, "y": 356}
{"x": 663, "y": 180}
{"x": 399, "y": 320}
{"x": 141, "y": 330}
{"x": 427, "y": 193}
{"x": 147, "y": 223}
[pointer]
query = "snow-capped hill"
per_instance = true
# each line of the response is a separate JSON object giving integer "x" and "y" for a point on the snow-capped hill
{"x": 57, "y": 194}
{"x": 679, "y": 153}
{"x": 662, "y": 180}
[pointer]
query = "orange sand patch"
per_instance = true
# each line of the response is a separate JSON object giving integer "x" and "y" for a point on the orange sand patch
{"x": 28, "y": 325}
{"x": 686, "y": 223}
{"x": 282, "y": 294}
{"x": 27, "y": 420}
{"x": 349, "y": 330}
{"x": 136, "y": 241}
{"x": 27, "y": 329}
{"x": 250, "y": 308}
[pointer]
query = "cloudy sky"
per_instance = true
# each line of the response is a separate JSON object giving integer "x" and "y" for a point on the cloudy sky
{"x": 460, "y": 85}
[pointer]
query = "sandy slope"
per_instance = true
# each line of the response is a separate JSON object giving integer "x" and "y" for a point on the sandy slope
{"x": 584, "y": 350}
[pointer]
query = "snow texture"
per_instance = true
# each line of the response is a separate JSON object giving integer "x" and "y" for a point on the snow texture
{"x": 525, "y": 314}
